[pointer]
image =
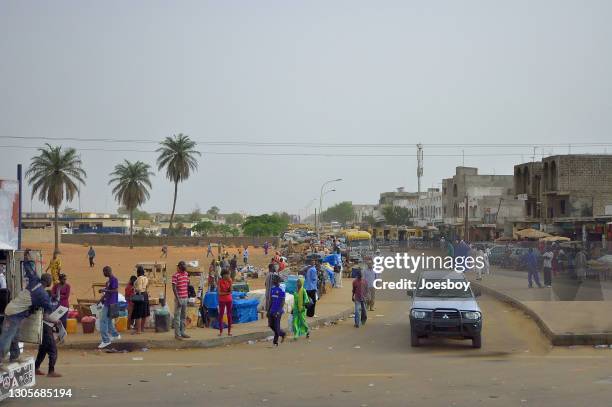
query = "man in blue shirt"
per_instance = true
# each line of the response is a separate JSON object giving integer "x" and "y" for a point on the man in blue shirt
{"x": 310, "y": 285}
{"x": 275, "y": 309}
{"x": 531, "y": 260}
{"x": 21, "y": 306}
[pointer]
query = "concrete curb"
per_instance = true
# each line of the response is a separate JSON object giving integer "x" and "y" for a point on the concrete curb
{"x": 171, "y": 343}
{"x": 556, "y": 339}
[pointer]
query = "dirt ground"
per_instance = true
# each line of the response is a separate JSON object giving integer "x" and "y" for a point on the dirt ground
{"x": 75, "y": 263}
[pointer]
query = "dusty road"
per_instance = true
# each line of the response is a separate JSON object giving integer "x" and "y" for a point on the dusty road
{"x": 345, "y": 366}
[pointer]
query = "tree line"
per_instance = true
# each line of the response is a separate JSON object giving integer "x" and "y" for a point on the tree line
{"x": 56, "y": 175}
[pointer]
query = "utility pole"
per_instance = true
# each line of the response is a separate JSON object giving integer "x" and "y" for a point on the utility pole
{"x": 466, "y": 215}
{"x": 419, "y": 175}
{"x": 20, "y": 181}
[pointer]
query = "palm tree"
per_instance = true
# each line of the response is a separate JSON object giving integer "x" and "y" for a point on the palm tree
{"x": 54, "y": 175}
{"x": 177, "y": 155}
{"x": 131, "y": 187}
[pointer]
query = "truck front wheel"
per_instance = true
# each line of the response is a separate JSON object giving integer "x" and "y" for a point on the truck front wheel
{"x": 414, "y": 338}
{"x": 477, "y": 341}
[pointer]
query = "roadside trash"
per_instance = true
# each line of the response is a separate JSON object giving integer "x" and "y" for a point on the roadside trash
{"x": 251, "y": 342}
{"x": 601, "y": 346}
{"x": 331, "y": 348}
{"x": 93, "y": 396}
{"x": 270, "y": 338}
{"x": 137, "y": 358}
{"x": 371, "y": 385}
{"x": 356, "y": 347}
{"x": 144, "y": 349}
{"x": 168, "y": 374}
{"x": 327, "y": 323}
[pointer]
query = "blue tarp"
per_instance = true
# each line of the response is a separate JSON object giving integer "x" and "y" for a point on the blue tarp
{"x": 332, "y": 259}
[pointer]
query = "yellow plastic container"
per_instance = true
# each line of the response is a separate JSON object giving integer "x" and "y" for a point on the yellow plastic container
{"x": 121, "y": 324}
{"x": 71, "y": 325}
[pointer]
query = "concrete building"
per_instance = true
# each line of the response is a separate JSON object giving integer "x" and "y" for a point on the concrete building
{"x": 363, "y": 211}
{"x": 491, "y": 203}
{"x": 426, "y": 209}
{"x": 397, "y": 198}
{"x": 567, "y": 194}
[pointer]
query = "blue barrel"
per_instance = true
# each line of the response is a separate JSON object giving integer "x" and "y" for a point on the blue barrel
{"x": 211, "y": 300}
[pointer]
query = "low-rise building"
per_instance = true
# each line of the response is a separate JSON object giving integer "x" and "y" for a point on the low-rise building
{"x": 488, "y": 202}
{"x": 567, "y": 194}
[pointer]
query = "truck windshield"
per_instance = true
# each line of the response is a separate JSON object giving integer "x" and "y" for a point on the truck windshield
{"x": 442, "y": 292}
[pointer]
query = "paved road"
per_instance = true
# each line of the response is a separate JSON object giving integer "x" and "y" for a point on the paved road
{"x": 345, "y": 366}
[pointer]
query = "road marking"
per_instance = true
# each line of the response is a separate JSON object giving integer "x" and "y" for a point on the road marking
{"x": 369, "y": 374}
{"x": 89, "y": 365}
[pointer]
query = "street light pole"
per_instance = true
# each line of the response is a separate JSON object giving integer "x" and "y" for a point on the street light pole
{"x": 321, "y": 204}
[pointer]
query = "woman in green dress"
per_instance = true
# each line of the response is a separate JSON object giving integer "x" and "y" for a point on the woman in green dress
{"x": 300, "y": 301}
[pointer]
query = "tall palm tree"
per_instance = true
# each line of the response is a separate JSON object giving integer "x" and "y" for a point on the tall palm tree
{"x": 131, "y": 187}
{"x": 54, "y": 175}
{"x": 177, "y": 155}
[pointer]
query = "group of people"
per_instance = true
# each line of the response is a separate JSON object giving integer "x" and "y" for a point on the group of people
{"x": 245, "y": 251}
{"x": 548, "y": 259}
{"x": 462, "y": 249}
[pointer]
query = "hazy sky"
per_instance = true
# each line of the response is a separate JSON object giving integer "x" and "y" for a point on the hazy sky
{"x": 313, "y": 71}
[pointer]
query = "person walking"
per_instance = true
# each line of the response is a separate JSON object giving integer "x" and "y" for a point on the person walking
{"x": 109, "y": 299}
{"x": 359, "y": 295}
{"x": 55, "y": 267}
{"x": 141, "y": 301}
{"x": 300, "y": 304}
{"x": 275, "y": 309}
{"x": 225, "y": 301}
{"x": 370, "y": 276}
{"x": 531, "y": 260}
{"x": 269, "y": 283}
{"x": 581, "y": 265}
{"x": 164, "y": 251}
{"x": 233, "y": 267}
{"x": 310, "y": 285}
{"x": 61, "y": 293}
{"x": 91, "y": 254}
{"x": 245, "y": 255}
{"x": 209, "y": 251}
{"x": 547, "y": 266}
{"x": 20, "y": 307}
{"x": 47, "y": 347}
{"x": 266, "y": 247}
{"x": 128, "y": 293}
{"x": 180, "y": 288}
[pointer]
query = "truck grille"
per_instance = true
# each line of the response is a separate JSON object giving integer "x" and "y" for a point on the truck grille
{"x": 447, "y": 315}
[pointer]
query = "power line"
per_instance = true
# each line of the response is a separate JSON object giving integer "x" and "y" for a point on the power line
{"x": 293, "y": 154}
{"x": 316, "y": 144}
{"x": 285, "y": 154}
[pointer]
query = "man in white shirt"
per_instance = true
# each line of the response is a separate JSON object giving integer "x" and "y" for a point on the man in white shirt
{"x": 547, "y": 266}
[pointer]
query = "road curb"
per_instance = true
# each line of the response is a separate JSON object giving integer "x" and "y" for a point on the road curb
{"x": 171, "y": 343}
{"x": 556, "y": 339}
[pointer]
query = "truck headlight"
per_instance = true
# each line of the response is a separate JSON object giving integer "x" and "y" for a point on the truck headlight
{"x": 418, "y": 314}
{"x": 471, "y": 315}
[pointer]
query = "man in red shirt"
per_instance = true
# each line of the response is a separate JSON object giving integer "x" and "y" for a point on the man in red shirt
{"x": 180, "y": 288}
